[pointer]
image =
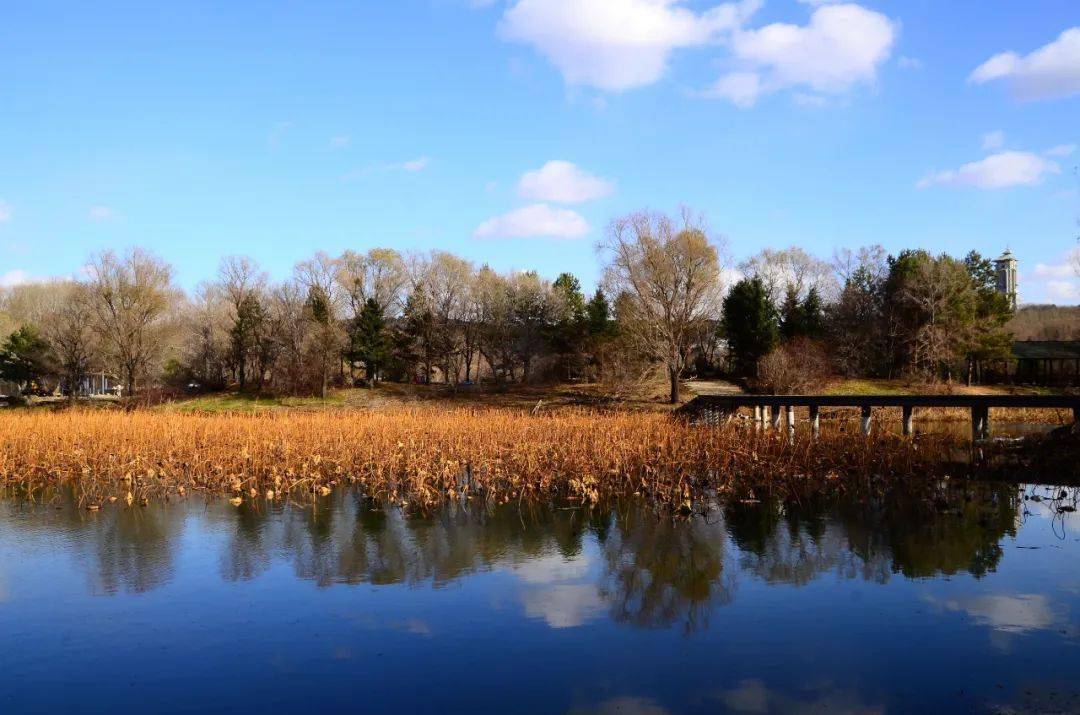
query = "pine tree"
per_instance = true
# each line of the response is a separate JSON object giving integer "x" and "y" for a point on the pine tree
{"x": 26, "y": 358}
{"x": 750, "y": 324}
{"x": 813, "y": 315}
{"x": 598, "y": 312}
{"x": 791, "y": 315}
{"x": 369, "y": 342}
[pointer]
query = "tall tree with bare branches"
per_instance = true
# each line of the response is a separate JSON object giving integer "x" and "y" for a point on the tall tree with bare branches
{"x": 131, "y": 294}
{"x": 667, "y": 274}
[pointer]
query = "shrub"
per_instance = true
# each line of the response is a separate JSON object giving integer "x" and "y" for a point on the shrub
{"x": 799, "y": 366}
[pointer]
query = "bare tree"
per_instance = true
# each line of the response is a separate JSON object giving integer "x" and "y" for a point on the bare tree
{"x": 68, "y": 329}
{"x": 377, "y": 275}
{"x": 244, "y": 286}
{"x": 493, "y": 311}
{"x": 321, "y": 308}
{"x": 791, "y": 270}
{"x": 440, "y": 281}
{"x": 131, "y": 295}
{"x": 208, "y": 322}
{"x": 667, "y": 274}
{"x": 871, "y": 261}
{"x": 533, "y": 311}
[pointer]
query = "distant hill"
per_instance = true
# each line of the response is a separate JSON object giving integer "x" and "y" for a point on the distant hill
{"x": 1046, "y": 322}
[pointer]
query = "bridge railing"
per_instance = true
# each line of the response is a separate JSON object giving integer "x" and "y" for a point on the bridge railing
{"x": 778, "y": 411}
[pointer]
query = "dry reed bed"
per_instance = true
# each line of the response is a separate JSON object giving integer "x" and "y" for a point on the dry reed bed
{"x": 422, "y": 456}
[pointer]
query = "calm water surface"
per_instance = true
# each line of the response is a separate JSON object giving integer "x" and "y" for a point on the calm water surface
{"x": 970, "y": 602}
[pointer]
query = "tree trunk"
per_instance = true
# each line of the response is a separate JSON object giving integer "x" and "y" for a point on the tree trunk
{"x": 673, "y": 375}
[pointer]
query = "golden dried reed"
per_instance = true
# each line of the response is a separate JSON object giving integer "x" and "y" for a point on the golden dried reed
{"x": 424, "y": 456}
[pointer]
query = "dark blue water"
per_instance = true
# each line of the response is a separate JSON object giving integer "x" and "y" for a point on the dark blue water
{"x": 967, "y": 602}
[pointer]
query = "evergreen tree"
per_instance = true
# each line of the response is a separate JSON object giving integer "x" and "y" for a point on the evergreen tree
{"x": 244, "y": 333}
{"x": 570, "y": 328}
{"x": 416, "y": 345}
{"x": 791, "y": 315}
{"x": 750, "y": 324}
{"x": 813, "y": 315}
{"x": 369, "y": 342}
{"x": 598, "y": 314}
{"x": 26, "y": 358}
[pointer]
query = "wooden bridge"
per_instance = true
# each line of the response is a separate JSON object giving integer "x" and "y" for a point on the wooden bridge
{"x": 778, "y": 411}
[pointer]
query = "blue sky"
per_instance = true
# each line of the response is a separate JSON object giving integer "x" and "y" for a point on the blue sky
{"x": 511, "y": 132}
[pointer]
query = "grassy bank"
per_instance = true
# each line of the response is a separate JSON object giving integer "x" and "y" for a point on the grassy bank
{"x": 422, "y": 456}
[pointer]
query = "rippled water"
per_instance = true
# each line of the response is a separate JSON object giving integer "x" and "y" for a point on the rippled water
{"x": 966, "y": 602}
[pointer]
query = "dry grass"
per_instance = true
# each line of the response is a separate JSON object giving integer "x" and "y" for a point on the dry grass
{"x": 424, "y": 456}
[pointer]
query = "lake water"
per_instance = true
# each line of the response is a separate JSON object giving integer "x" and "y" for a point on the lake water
{"x": 967, "y": 602}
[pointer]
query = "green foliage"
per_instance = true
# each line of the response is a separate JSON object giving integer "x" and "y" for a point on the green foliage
{"x": 26, "y": 357}
{"x": 570, "y": 328}
{"x": 369, "y": 341}
{"x": 750, "y": 324}
{"x": 802, "y": 318}
{"x": 244, "y": 333}
{"x": 791, "y": 317}
{"x": 944, "y": 313}
{"x": 318, "y": 306}
{"x": 599, "y": 314}
{"x": 982, "y": 272}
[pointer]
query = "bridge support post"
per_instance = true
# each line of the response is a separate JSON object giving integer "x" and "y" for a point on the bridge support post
{"x": 789, "y": 418}
{"x": 980, "y": 424}
{"x": 815, "y": 420}
{"x": 909, "y": 420}
{"x": 867, "y": 413}
{"x": 757, "y": 417}
{"x": 776, "y": 417}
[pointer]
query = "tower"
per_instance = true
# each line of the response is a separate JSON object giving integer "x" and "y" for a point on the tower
{"x": 1007, "y": 277}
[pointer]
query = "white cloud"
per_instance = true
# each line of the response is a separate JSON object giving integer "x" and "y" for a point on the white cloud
{"x": 418, "y": 164}
{"x": 842, "y": 46}
{"x": 1059, "y": 282}
{"x": 1063, "y": 291}
{"x": 617, "y": 45}
{"x": 993, "y": 140}
{"x": 100, "y": 213}
{"x": 551, "y": 568}
{"x": 1061, "y": 150}
{"x": 740, "y": 88}
{"x": 1049, "y": 72}
{"x": 14, "y": 277}
{"x": 6, "y": 212}
{"x": 564, "y": 183}
{"x": 564, "y": 605}
{"x": 908, "y": 63}
{"x": 534, "y": 220}
{"x": 809, "y": 100}
{"x": 1062, "y": 270}
{"x": 341, "y": 141}
{"x": 411, "y": 166}
{"x": 1011, "y": 614}
{"x": 997, "y": 171}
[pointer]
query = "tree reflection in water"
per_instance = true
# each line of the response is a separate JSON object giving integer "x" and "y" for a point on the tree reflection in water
{"x": 648, "y": 569}
{"x": 660, "y": 572}
{"x": 956, "y": 530}
{"x": 129, "y": 550}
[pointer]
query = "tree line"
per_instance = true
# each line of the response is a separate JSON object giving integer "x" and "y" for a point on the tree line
{"x": 668, "y": 299}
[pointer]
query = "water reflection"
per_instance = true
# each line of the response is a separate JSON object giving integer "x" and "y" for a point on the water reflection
{"x": 645, "y": 568}
{"x": 757, "y": 607}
